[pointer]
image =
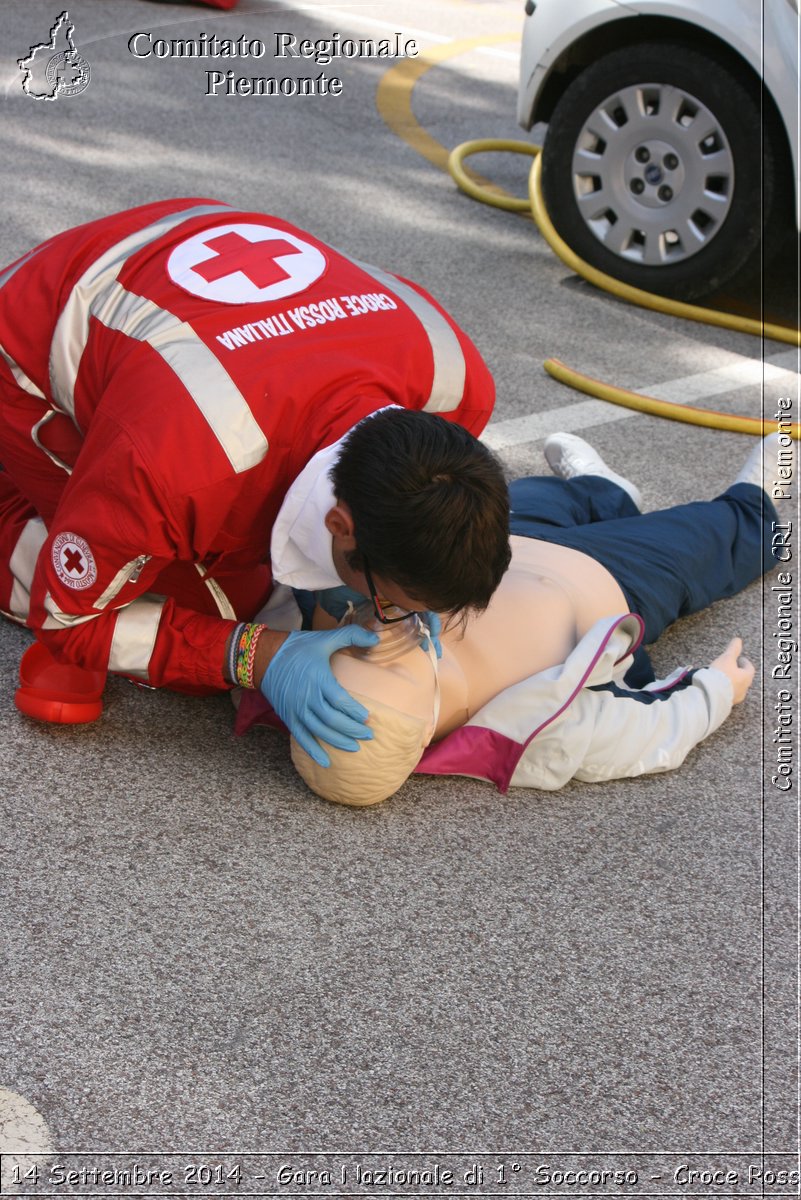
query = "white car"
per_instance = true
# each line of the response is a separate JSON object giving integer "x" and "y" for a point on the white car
{"x": 673, "y": 132}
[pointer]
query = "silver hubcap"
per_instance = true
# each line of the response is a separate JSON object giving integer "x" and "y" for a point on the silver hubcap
{"x": 653, "y": 174}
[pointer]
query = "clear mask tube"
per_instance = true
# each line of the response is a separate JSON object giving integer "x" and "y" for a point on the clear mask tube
{"x": 395, "y": 640}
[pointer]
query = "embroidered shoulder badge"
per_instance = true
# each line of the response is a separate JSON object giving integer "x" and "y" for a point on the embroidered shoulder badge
{"x": 74, "y": 562}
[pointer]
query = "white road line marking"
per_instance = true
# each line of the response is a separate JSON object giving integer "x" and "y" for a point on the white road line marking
{"x": 570, "y": 418}
{"x": 689, "y": 389}
{"x": 23, "y": 1131}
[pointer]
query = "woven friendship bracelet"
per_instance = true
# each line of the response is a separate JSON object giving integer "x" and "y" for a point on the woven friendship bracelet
{"x": 242, "y": 654}
{"x": 258, "y": 630}
{"x": 233, "y": 646}
{"x": 246, "y": 654}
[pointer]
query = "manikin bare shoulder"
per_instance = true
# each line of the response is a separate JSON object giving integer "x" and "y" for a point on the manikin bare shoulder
{"x": 548, "y": 599}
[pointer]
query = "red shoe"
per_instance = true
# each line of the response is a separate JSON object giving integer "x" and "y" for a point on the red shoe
{"x": 58, "y": 692}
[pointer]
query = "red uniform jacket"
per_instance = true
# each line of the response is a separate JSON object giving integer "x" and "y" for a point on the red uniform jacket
{"x": 199, "y": 357}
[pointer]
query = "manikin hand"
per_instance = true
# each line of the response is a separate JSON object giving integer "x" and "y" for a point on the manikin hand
{"x": 733, "y": 663}
{"x": 301, "y": 687}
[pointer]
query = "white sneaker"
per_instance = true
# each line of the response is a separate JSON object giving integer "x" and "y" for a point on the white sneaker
{"x": 569, "y": 456}
{"x": 771, "y": 466}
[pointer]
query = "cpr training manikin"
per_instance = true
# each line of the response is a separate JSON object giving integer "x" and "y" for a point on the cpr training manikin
{"x": 524, "y": 667}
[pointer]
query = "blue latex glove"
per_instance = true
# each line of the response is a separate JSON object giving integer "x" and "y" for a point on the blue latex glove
{"x": 301, "y": 687}
{"x": 434, "y": 624}
{"x": 335, "y": 601}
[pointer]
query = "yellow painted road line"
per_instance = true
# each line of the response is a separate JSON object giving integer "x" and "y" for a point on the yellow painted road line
{"x": 394, "y": 98}
{"x": 355, "y": 15}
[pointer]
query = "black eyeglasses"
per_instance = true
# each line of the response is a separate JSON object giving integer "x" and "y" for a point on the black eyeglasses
{"x": 378, "y": 604}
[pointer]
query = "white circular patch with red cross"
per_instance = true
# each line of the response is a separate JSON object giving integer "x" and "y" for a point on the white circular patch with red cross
{"x": 240, "y": 264}
{"x": 74, "y": 562}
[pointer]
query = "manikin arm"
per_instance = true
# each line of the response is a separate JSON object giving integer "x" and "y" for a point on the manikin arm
{"x": 610, "y": 732}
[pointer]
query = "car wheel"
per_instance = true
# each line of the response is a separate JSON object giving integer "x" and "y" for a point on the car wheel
{"x": 657, "y": 170}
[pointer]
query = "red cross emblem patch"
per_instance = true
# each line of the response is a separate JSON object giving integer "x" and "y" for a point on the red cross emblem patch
{"x": 242, "y": 264}
{"x": 74, "y": 562}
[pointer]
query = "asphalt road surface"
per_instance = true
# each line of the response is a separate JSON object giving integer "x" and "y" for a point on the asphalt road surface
{"x": 200, "y": 957}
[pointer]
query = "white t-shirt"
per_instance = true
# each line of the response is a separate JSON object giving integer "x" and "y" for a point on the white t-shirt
{"x": 300, "y": 547}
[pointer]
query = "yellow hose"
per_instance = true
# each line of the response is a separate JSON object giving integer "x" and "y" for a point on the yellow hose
{"x": 479, "y": 191}
{"x": 664, "y": 408}
{"x": 632, "y": 295}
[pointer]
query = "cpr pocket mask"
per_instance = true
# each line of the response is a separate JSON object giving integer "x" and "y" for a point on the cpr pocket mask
{"x": 395, "y": 640}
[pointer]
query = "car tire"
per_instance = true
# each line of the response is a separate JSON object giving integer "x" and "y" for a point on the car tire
{"x": 657, "y": 170}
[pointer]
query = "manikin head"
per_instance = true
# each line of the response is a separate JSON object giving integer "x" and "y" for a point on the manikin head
{"x": 397, "y": 683}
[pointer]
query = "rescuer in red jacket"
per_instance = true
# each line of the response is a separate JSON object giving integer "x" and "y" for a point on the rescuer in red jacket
{"x": 175, "y": 381}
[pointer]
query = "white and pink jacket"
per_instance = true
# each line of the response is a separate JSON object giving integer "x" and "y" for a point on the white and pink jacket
{"x": 579, "y": 721}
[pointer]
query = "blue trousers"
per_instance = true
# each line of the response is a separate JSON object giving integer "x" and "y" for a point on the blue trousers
{"x": 668, "y": 563}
